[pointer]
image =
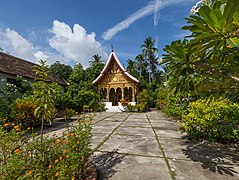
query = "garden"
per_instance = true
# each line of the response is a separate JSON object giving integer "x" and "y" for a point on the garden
{"x": 195, "y": 82}
{"x": 26, "y": 152}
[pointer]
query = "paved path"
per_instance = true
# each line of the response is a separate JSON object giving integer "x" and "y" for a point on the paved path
{"x": 148, "y": 146}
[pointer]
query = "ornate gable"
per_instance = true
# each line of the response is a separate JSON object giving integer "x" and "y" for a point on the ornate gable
{"x": 114, "y": 73}
{"x": 115, "y": 84}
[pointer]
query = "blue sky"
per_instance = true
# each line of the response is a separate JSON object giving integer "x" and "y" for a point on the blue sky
{"x": 72, "y": 31}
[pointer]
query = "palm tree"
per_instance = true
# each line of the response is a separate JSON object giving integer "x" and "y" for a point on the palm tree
{"x": 140, "y": 59}
{"x": 149, "y": 51}
{"x": 96, "y": 59}
{"x": 132, "y": 67}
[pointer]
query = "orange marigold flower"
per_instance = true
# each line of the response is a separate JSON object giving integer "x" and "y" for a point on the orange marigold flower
{"x": 66, "y": 141}
{"x": 65, "y": 151}
{"x": 72, "y": 134}
{"x": 17, "y": 128}
{"x": 57, "y": 174}
{"x": 30, "y": 172}
{"x": 6, "y": 124}
{"x": 68, "y": 135}
{"x": 60, "y": 158}
{"x": 50, "y": 166}
{"x": 17, "y": 151}
{"x": 29, "y": 128}
{"x": 67, "y": 157}
{"x": 58, "y": 141}
{"x": 56, "y": 161}
{"x": 73, "y": 178}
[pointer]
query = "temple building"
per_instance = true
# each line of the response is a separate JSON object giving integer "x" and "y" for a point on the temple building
{"x": 115, "y": 84}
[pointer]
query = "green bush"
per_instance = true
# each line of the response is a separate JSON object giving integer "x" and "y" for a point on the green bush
{"x": 64, "y": 157}
{"x": 4, "y": 107}
{"x": 141, "y": 107}
{"x": 215, "y": 120}
{"x": 171, "y": 104}
{"x": 132, "y": 108}
{"x": 143, "y": 100}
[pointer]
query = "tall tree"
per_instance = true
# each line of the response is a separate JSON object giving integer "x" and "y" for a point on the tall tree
{"x": 149, "y": 51}
{"x": 61, "y": 70}
{"x": 96, "y": 59}
{"x": 132, "y": 67}
{"x": 140, "y": 60}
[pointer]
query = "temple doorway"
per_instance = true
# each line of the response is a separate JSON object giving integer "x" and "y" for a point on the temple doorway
{"x": 112, "y": 97}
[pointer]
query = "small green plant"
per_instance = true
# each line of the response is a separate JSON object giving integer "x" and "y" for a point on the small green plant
{"x": 23, "y": 113}
{"x": 86, "y": 108}
{"x": 132, "y": 108}
{"x": 216, "y": 120}
{"x": 44, "y": 94}
{"x": 141, "y": 107}
{"x": 124, "y": 102}
{"x": 68, "y": 113}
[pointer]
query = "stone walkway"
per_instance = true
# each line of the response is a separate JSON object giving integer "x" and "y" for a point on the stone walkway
{"x": 142, "y": 146}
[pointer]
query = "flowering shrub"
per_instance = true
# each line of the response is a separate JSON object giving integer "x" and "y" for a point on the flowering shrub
{"x": 63, "y": 157}
{"x": 215, "y": 120}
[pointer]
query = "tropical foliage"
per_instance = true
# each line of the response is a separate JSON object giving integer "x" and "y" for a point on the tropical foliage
{"x": 205, "y": 66}
{"x": 216, "y": 120}
{"x": 61, "y": 70}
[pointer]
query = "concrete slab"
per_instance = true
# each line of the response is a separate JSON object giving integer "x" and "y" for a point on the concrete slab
{"x": 168, "y": 133}
{"x": 175, "y": 148}
{"x": 131, "y": 145}
{"x": 127, "y": 167}
{"x": 108, "y": 123}
{"x": 139, "y": 131}
{"x": 189, "y": 170}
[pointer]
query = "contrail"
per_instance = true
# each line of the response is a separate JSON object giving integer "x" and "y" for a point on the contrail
{"x": 152, "y": 8}
{"x": 156, "y": 13}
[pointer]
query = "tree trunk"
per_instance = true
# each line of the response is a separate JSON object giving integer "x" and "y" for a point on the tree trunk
{"x": 42, "y": 127}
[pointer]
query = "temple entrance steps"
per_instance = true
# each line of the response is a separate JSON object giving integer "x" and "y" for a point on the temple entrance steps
{"x": 113, "y": 109}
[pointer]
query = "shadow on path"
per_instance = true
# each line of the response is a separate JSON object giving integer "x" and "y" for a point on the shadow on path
{"x": 214, "y": 157}
{"x": 105, "y": 163}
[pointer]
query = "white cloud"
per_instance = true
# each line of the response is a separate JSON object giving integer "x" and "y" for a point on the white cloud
{"x": 71, "y": 45}
{"x": 41, "y": 55}
{"x": 15, "y": 43}
{"x": 75, "y": 44}
{"x": 153, "y": 7}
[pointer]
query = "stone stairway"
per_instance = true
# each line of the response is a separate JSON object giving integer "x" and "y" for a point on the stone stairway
{"x": 113, "y": 109}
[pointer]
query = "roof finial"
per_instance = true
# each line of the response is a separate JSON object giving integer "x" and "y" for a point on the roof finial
{"x": 112, "y": 48}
